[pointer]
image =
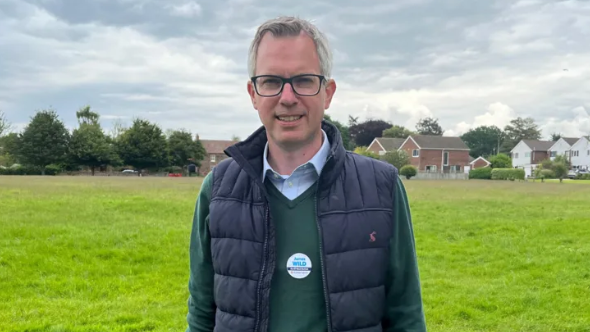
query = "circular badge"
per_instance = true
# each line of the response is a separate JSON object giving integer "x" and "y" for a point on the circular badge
{"x": 299, "y": 266}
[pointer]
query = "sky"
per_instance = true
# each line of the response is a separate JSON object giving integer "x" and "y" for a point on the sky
{"x": 182, "y": 63}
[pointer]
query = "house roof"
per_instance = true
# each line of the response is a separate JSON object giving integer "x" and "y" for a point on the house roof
{"x": 216, "y": 146}
{"x": 439, "y": 142}
{"x": 390, "y": 144}
{"x": 478, "y": 158}
{"x": 537, "y": 145}
{"x": 571, "y": 140}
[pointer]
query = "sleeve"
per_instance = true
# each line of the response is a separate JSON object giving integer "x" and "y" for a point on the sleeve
{"x": 201, "y": 304}
{"x": 404, "y": 309}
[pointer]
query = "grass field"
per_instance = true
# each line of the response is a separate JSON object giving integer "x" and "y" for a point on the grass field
{"x": 111, "y": 254}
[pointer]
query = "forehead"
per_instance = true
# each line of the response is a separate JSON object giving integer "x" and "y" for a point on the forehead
{"x": 288, "y": 55}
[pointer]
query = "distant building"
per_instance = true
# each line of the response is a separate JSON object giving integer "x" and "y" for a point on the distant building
{"x": 215, "y": 153}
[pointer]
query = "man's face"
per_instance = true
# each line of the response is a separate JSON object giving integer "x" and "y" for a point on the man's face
{"x": 291, "y": 120}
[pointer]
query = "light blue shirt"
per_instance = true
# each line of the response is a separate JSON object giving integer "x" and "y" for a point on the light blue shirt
{"x": 302, "y": 177}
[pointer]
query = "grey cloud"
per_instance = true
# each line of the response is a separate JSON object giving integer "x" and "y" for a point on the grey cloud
{"x": 397, "y": 60}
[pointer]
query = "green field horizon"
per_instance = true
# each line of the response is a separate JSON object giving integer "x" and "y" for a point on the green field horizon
{"x": 111, "y": 254}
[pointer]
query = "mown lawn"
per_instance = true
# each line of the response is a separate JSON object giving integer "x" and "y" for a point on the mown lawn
{"x": 111, "y": 254}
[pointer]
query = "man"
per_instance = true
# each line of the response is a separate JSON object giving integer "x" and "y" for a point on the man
{"x": 294, "y": 233}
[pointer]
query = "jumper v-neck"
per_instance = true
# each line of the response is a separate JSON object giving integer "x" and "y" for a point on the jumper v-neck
{"x": 296, "y": 305}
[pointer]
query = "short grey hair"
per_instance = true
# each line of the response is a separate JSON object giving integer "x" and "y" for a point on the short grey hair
{"x": 288, "y": 26}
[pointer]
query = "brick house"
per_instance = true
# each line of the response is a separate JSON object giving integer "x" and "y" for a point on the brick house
{"x": 479, "y": 162}
{"x": 215, "y": 153}
{"x": 381, "y": 145}
{"x": 440, "y": 154}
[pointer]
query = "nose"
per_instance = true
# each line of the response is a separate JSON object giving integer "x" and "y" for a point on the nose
{"x": 288, "y": 96}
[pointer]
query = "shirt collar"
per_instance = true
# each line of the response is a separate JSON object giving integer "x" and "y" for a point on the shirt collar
{"x": 318, "y": 160}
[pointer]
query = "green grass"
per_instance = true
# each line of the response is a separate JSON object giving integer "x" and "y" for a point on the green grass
{"x": 111, "y": 254}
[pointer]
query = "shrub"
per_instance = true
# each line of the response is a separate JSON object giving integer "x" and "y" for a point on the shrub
{"x": 52, "y": 169}
{"x": 546, "y": 174}
{"x": 397, "y": 158}
{"x": 408, "y": 171}
{"x": 583, "y": 177}
{"x": 501, "y": 161}
{"x": 508, "y": 174}
{"x": 484, "y": 173}
{"x": 362, "y": 150}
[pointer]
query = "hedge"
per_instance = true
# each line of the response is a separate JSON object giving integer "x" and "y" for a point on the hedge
{"x": 484, "y": 173}
{"x": 30, "y": 170}
{"x": 507, "y": 174}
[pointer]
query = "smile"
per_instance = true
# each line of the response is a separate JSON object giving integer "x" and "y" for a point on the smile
{"x": 289, "y": 118}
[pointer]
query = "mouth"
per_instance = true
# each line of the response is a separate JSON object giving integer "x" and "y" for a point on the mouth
{"x": 290, "y": 118}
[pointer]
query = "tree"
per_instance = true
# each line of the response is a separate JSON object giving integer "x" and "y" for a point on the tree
{"x": 344, "y": 132}
{"x": 560, "y": 170}
{"x": 9, "y": 149}
{"x": 483, "y": 140}
{"x": 89, "y": 146}
{"x": 5, "y": 126}
{"x": 143, "y": 145}
{"x": 397, "y": 158}
{"x": 555, "y": 137}
{"x": 429, "y": 126}
{"x": 364, "y": 133}
{"x": 118, "y": 128}
{"x": 363, "y": 151}
{"x": 397, "y": 132}
{"x": 44, "y": 140}
{"x": 519, "y": 129}
{"x": 86, "y": 116}
{"x": 182, "y": 148}
{"x": 500, "y": 161}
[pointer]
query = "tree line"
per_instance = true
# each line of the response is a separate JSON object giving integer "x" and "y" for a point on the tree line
{"x": 45, "y": 141}
{"x": 485, "y": 141}
{"x": 46, "y": 144}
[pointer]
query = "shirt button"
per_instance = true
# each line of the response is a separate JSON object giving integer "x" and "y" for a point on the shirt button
{"x": 290, "y": 184}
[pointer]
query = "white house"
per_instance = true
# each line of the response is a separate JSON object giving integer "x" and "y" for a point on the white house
{"x": 562, "y": 147}
{"x": 527, "y": 154}
{"x": 581, "y": 153}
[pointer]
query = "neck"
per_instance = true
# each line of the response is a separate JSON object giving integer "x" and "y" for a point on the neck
{"x": 286, "y": 159}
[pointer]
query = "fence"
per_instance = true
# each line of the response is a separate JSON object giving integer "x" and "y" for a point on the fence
{"x": 441, "y": 176}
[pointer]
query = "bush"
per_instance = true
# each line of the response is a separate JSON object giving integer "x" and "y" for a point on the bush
{"x": 501, "y": 161}
{"x": 53, "y": 169}
{"x": 583, "y": 177}
{"x": 408, "y": 171}
{"x": 546, "y": 174}
{"x": 397, "y": 158}
{"x": 362, "y": 150}
{"x": 508, "y": 174}
{"x": 484, "y": 173}
{"x": 20, "y": 170}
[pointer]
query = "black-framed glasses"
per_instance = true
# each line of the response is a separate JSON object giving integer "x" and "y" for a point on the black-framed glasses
{"x": 272, "y": 85}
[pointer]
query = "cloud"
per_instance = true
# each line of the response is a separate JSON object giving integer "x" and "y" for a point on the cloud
{"x": 182, "y": 63}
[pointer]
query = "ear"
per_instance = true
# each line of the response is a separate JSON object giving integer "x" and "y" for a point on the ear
{"x": 330, "y": 90}
{"x": 252, "y": 93}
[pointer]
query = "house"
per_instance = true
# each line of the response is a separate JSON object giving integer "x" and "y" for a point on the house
{"x": 529, "y": 153}
{"x": 479, "y": 162}
{"x": 580, "y": 157}
{"x": 562, "y": 147}
{"x": 381, "y": 145}
{"x": 441, "y": 154}
{"x": 215, "y": 153}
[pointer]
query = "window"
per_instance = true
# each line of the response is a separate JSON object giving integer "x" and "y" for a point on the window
{"x": 527, "y": 154}
{"x": 576, "y": 153}
{"x": 212, "y": 158}
{"x": 431, "y": 168}
{"x": 516, "y": 155}
{"x": 553, "y": 154}
{"x": 415, "y": 153}
{"x": 446, "y": 158}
